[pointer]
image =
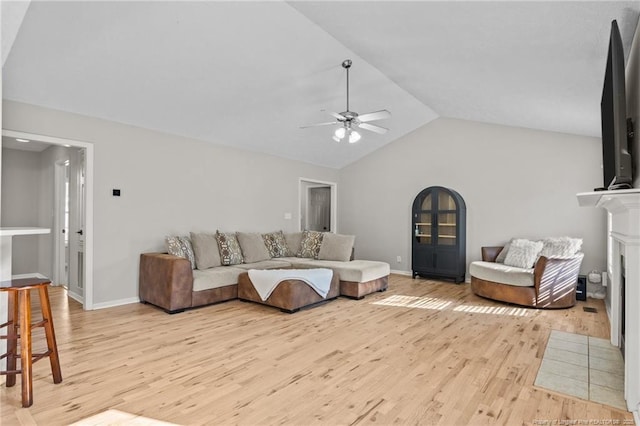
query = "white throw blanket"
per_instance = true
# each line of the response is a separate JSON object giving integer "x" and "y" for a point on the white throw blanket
{"x": 266, "y": 280}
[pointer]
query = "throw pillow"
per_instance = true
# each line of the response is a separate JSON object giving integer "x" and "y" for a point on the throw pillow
{"x": 293, "y": 243}
{"x": 523, "y": 253}
{"x": 181, "y": 247}
{"x": 336, "y": 247}
{"x": 253, "y": 248}
{"x": 562, "y": 247}
{"x": 230, "y": 252}
{"x": 276, "y": 244}
{"x": 310, "y": 244}
{"x": 205, "y": 247}
{"x": 503, "y": 253}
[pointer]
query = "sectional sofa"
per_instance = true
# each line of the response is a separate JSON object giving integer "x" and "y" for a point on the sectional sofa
{"x": 204, "y": 268}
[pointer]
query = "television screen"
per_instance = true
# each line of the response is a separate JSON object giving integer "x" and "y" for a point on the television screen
{"x": 616, "y": 160}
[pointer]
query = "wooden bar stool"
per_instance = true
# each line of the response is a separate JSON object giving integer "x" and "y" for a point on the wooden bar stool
{"x": 19, "y": 328}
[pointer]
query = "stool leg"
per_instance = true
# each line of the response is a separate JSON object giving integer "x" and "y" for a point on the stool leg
{"x": 26, "y": 359}
{"x": 50, "y": 334}
{"x": 12, "y": 338}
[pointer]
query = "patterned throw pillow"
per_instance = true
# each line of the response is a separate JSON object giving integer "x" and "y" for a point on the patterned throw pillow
{"x": 523, "y": 253}
{"x": 310, "y": 245}
{"x": 181, "y": 247}
{"x": 276, "y": 244}
{"x": 230, "y": 252}
{"x": 562, "y": 247}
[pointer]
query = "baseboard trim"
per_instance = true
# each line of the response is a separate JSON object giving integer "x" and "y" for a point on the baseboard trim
{"x": 397, "y": 272}
{"x": 31, "y": 275}
{"x": 75, "y": 296}
{"x": 114, "y": 303}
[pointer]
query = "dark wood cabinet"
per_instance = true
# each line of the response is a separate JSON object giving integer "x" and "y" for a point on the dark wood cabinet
{"x": 439, "y": 234}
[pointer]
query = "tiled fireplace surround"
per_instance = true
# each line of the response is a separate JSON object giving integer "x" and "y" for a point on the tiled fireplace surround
{"x": 623, "y": 244}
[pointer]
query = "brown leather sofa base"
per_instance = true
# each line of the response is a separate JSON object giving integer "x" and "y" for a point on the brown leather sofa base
{"x": 525, "y": 296}
{"x": 356, "y": 290}
{"x": 166, "y": 281}
{"x": 290, "y": 295}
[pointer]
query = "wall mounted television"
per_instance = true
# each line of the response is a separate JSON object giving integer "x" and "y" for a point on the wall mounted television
{"x": 616, "y": 159}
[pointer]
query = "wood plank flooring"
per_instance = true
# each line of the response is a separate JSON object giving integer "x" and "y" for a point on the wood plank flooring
{"x": 439, "y": 356}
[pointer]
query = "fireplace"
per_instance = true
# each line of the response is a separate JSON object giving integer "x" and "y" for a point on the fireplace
{"x": 623, "y": 271}
{"x": 623, "y": 303}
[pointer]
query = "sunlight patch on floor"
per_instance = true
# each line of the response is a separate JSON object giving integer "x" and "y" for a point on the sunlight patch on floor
{"x": 494, "y": 310}
{"x": 441, "y": 304}
{"x": 415, "y": 302}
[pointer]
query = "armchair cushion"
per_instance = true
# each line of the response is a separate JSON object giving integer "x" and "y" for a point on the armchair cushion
{"x": 562, "y": 247}
{"x": 523, "y": 253}
{"x": 503, "y": 274}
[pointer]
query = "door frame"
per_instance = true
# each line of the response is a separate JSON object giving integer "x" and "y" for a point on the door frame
{"x": 87, "y": 304}
{"x": 59, "y": 252}
{"x": 302, "y": 186}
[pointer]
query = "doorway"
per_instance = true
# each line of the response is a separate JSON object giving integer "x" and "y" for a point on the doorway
{"x": 318, "y": 205}
{"x": 79, "y": 223}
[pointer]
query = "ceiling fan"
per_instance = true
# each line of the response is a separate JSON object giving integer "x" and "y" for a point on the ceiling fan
{"x": 349, "y": 120}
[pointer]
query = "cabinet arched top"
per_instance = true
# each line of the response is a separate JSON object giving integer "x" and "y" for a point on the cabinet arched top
{"x": 440, "y": 198}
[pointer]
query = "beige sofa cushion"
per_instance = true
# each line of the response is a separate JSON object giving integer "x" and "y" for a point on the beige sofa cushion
{"x": 503, "y": 274}
{"x": 253, "y": 248}
{"x": 336, "y": 247}
{"x": 265, "y": 264}
{"x": 356, "y": 270}
{"x": 293, "y": 240}
{"x": 215, "y": 277}
{"x": 205, "y": 248}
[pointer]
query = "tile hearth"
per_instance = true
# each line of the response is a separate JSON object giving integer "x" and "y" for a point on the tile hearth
{"x": 583, "y": 366}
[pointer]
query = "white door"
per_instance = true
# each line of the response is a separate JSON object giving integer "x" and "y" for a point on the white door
{"x": 77, "y": 225}
{"x": 319, "y": 209}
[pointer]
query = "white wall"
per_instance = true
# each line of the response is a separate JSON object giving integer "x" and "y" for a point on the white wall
{"x": 515, "y": 182}
{"x": 170, "y": 185}
{"x": 20, "y": 183}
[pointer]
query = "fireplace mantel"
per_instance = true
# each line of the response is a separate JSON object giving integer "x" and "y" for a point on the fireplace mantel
{"x": 623, "y": 207}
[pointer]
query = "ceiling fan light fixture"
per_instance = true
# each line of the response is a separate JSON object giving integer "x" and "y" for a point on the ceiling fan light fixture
{"x": 354, "y": 136}
{"x": 340, "y": 133}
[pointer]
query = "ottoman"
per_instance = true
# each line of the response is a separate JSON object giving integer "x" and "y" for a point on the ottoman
{"x": 289, "y": 296}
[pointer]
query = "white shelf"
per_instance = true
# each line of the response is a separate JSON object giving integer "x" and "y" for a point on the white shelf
{"x": 23, "y": 230}
{"x": 597, "y": 198}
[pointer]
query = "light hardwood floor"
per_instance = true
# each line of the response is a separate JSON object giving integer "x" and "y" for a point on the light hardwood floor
{"x": 450, "y": 358}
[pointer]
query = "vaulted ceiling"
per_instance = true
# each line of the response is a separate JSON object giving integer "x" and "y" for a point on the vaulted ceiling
{"x": 249, "y": 74}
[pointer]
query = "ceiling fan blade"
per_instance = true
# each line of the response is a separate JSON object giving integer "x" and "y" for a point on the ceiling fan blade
{"x": 373, "y": 128}
{"x": 319, "y": 124}
{"x": 376, "y": 115}
{"x": 336, "y": 115}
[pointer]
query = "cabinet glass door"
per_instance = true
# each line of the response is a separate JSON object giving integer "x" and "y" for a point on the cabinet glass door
{"x": 423, "y": 228}
{"x": 447, "y": 229}
{"x": 446, "y": 219}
